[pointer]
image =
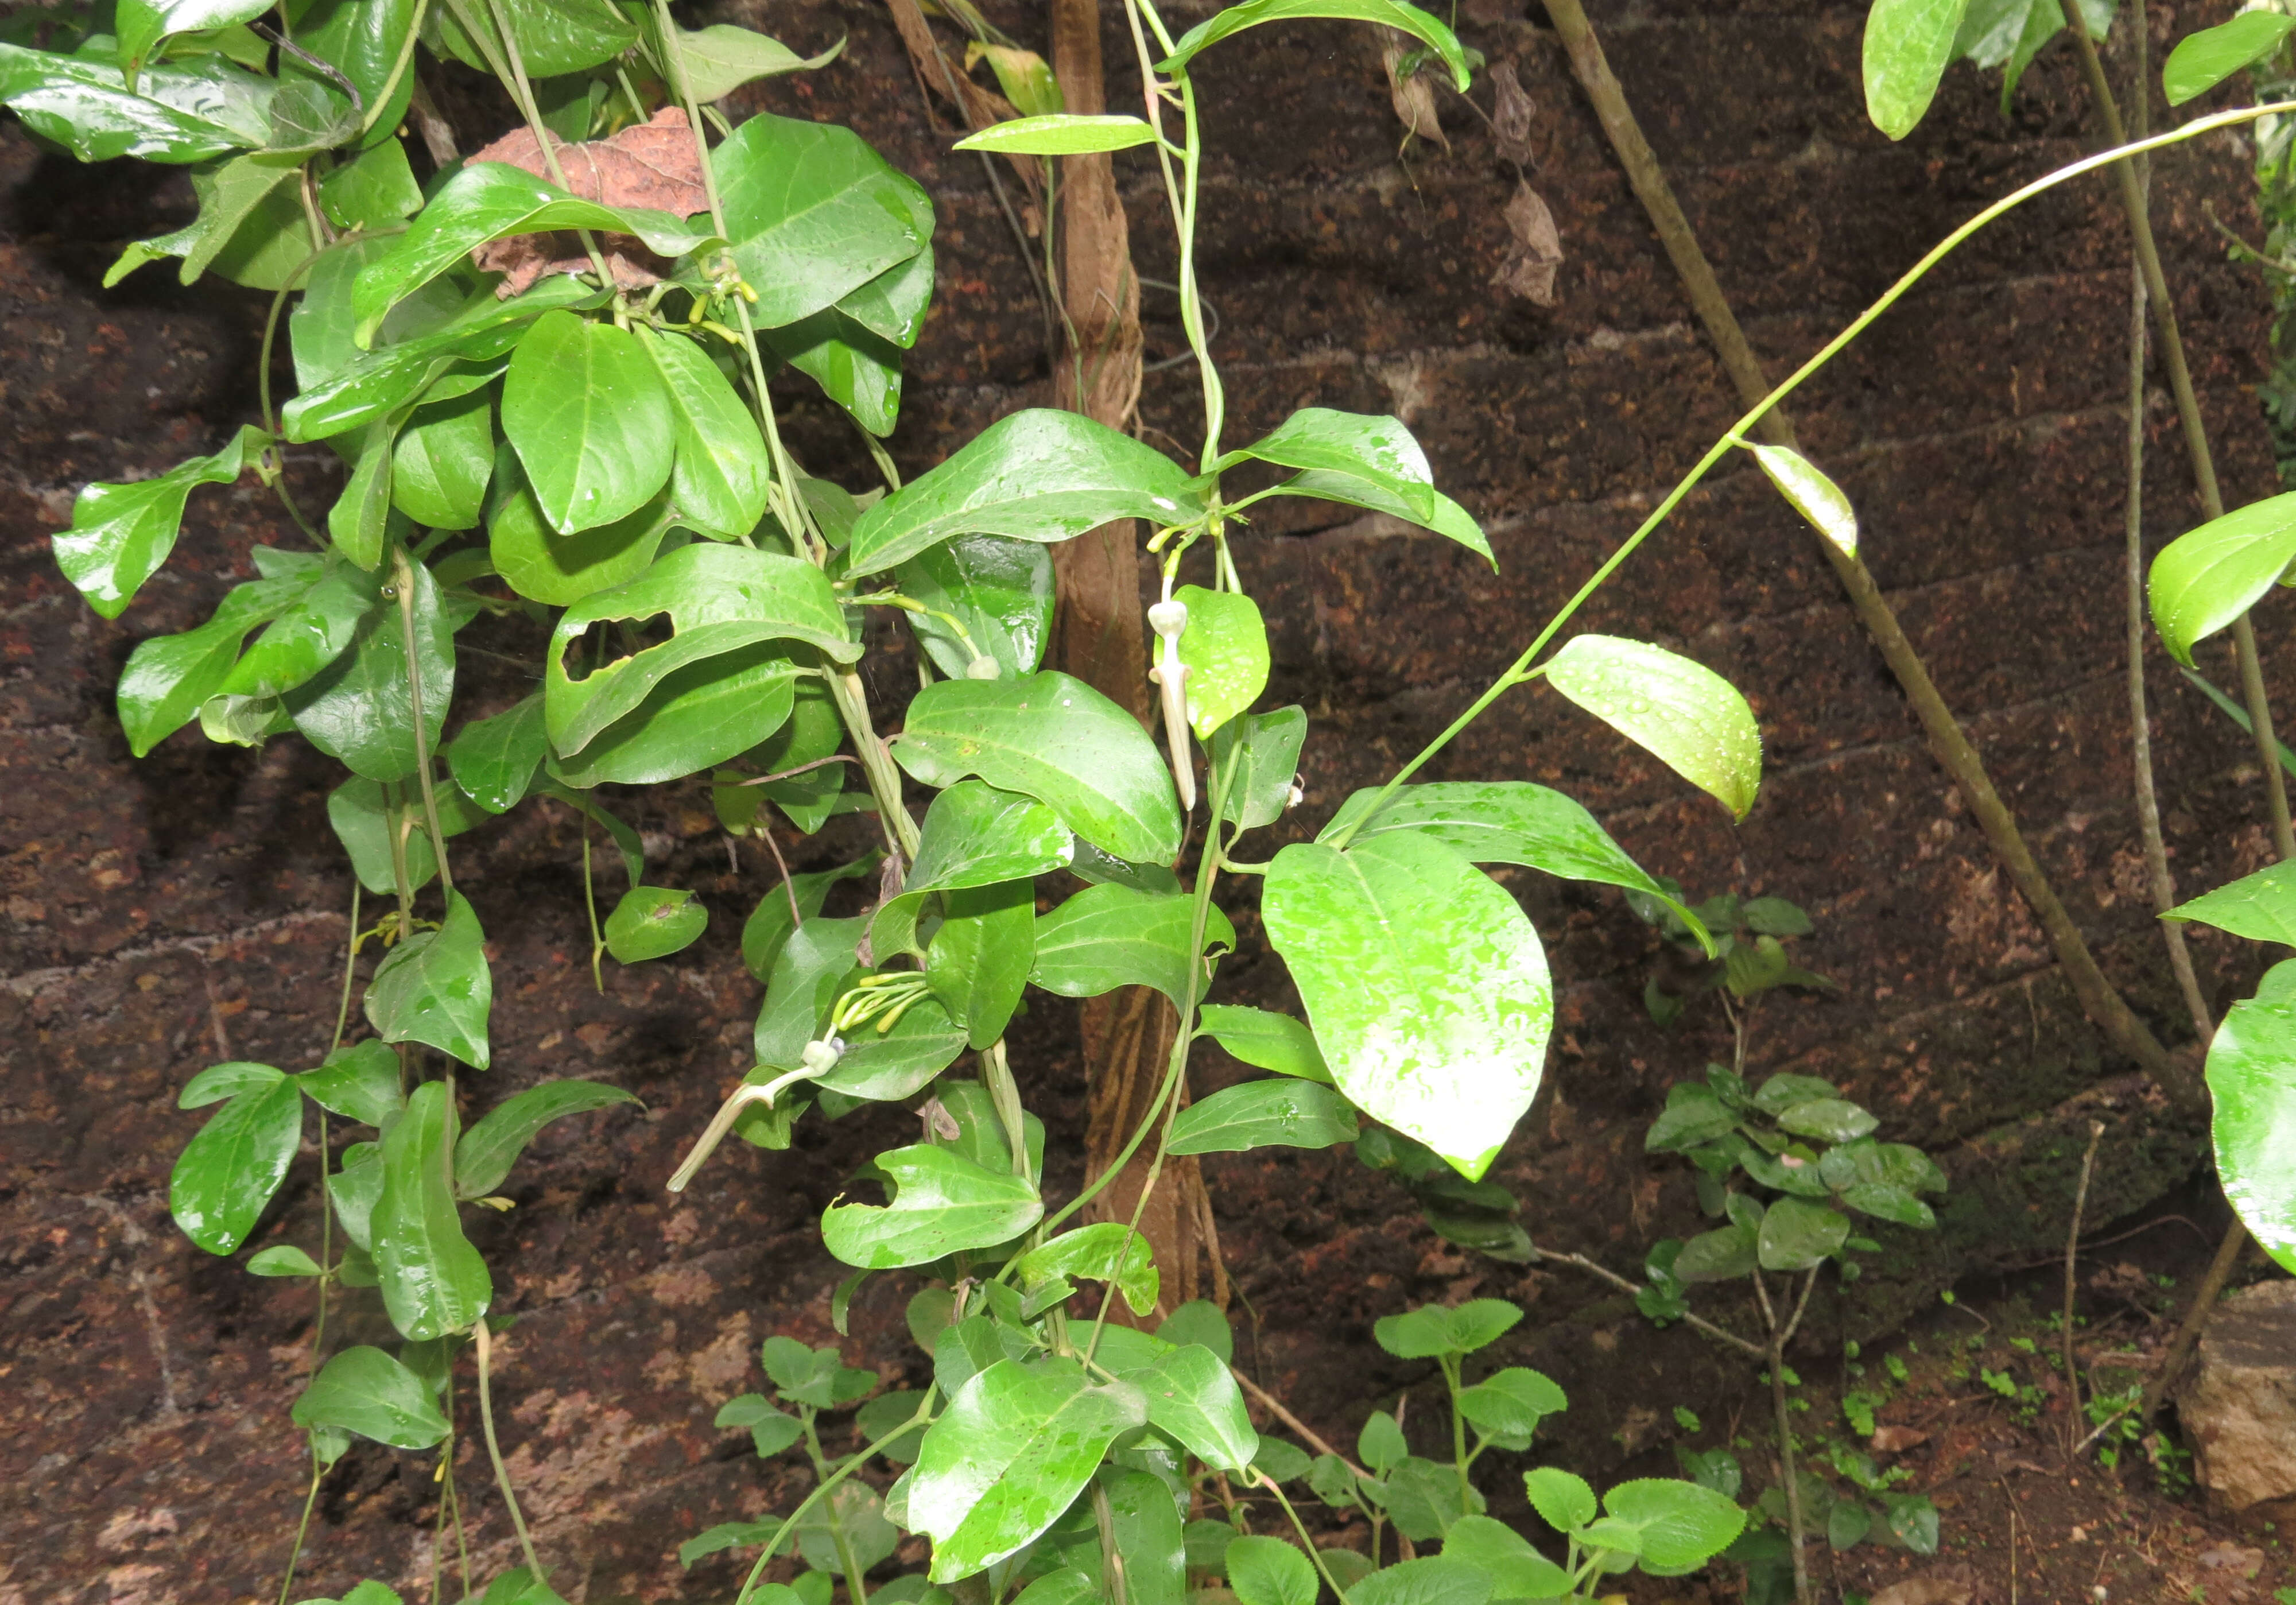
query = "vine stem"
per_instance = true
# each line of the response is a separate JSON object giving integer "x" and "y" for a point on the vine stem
{"x": 302, "y": 1527}
{"x": 1300, "y": 1528}
{"x": 403, "y": 572}
{"x": 2072, "y": 1254}
{"x": 827, "y": 1485}
{"x": 511, "y": 68}
{"x": 1275, "y": 1407}
{"x": 494, "y": 1449}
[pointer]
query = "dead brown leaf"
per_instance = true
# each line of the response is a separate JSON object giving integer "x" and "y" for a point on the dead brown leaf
{"x": 1413, "y": 98}
{"x": 1536, "y": 252}
{"x": 1941, "y": 1586}
{"x": 1896, "y": 1440}
{"x": 1511, "y": 122}
{"x": 653, "y": 165}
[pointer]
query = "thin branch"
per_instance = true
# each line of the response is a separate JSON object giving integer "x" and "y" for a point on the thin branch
{"x": 1275, "y": 1407}
{"x": 1698, "y": 1322}
{"x": 2072, "y": 1247}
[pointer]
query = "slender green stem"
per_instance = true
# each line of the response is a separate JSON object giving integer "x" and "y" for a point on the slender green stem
{"x": 1300, "y": 1528}
{"x": 847, "y": 1562}
{"x": 302, "y": 1527}
{"x": 827, "y": 1485}
{"x": 494, "y": 1449}
{"x": 1515, "y": 672}
{"x": 404, "y": 571}
{"x": 350, "y": 971}
{"x": 590, "y": 903}
{"x": 1459, "y": 1455}
{"x": 397, "y": 69}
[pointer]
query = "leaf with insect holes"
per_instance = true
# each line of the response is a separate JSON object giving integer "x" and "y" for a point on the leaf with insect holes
{"x": 941, "y": 1202}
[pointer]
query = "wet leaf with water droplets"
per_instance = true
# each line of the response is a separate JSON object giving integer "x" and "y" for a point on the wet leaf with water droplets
{"x": 1679, "y": 711}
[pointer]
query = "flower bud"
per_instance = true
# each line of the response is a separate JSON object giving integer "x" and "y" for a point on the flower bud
{"x": 1169, "y": 619}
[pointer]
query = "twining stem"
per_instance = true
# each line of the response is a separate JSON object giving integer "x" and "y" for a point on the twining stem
{"x": 493, "y": 1450}
{"x": 397, "y": 70}
{"x": 403, "y": 572}
{"x": 827, "y": 1485}
{"x": 1782, "y": 1409}
{"x": 848, "y": 1562}
{"x": 1300, "y": 1528}
{"x": 590, "y": 902}
{"x": 302, "y": 1527}
{"x": 2188, "y": 412}
{"x": 1276, "y": 1408}
{"x": 2072, "y": 1254}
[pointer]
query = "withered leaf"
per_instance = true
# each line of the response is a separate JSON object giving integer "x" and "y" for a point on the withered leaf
{"x": 654, "y": 165}
{"x": 1511, "y": 122}
{"x": 1413, "y": 98}
{"x": 1535, "y": 252}
{"x": 1896, "y": 1440}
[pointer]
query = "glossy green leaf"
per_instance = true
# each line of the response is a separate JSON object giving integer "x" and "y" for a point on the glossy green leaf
{"x": 1683, "y": 1526}
{"x": 306, "y": 635}
{"x": 488, "y": 202}
{"x": 376, "y": 190}
{"x": 1110, "y": 935}
{"x": 178, "y": 112}
{"x": 1425, "y": 984}
{"x": 495, "y": 760}
{"x": 2251, "y": 1080}
{"x": 974, "y": 835}
{"x": 882, "y": 1066}
{"x": 813, "y": 214}
{"x": 219, "y": 1081}
{"x": 2261, "y": 906}
{"x": 1193, "y": 1396}
{"x": 855, "y": 367}
{"x": 251, "y": 227}
{"x": 717, "y": 599}
{"x": 364, "y": 827}
{"x": 1828, "y": 1119}
{"x": 2199, "y": 582}
{"x": 169, "y": 677}
{"x": 1000, "y": 590}
{"x": 720, "y": 478}
{"x": 229, "y": 1170}
{"x": 435, "y": 988}
{"x": 484, "y": 1153}
{"x": 1059, "y": 134}
{"x": 1376, "y": 449}
{"x": 652, "y": 923}
{"x": 893, "y": 305}
{"x": 979, "y": 959}
{"x": 2008, "y": 34}
{"x": 443, "y": 461}
{"x": 364, "y": 1390}
{"x": 1270, "y": 1042}
{"x": 360, "y": 1082}
{"x": 1384, "y": 13}
{"x": 1506, "y": 821}
{"x": 941, "y": 1202}
{"x": 2203, "y": 60}
{"x": 1433, "y": 1581}
{"x": 1105, "y": 1251}
{"x": 138, "y": 25}
{"x": 284, "y": 1260}
{"x": 1907, "y": 45}
{"x": 354, "y": 1189}
{"x": 1264, "y": 1114}
{"x": 1799, "y": 1234}
{"x": 433, "y": 1281}
{"x": 360, "y": 523}
{"x": 558, "y": 570}
{"x": 720, "y": 59}
{"x": 808, "y": 977}
{"x": 1811, "y": 493}
{"x": 770, "y": 925}
{"x": 121, "y": 533}
{"x": 697, "y": 717}
{"x": 1056, "y": 739}
{"x": 554, "y": 37}
{"x": 1516, "y": 1570}
{"x": 1270, "y": 1571}
{"x": 360, "y": 708}
{"x": 1225, "y": 649}
{"x": 591, "y": 419}
{"x": 1013, "y": 1449}
{"x": 364, "y": 41}
{"x": 1039, "y": 475}
{"x": 1265, "y": 748}
{"x": 1681, "y": 712}
{"x": 1722, "y": 1255}
{"x": 1444, "y": 516}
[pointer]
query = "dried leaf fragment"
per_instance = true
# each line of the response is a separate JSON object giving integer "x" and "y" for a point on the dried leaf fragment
{"x": 1412, "y": 97}
{"x": 1896, "y": 1440}
{"x": 1511, "y": 122}
{"x": 653, "y": 165}
{"x": 1536, "y": 251}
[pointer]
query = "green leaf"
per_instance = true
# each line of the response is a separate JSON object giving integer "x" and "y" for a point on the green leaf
{"x": 1059, "y": 134}
{"x": 1384, "y": 13}
{"x": 435, "y": 988}
{"x": 717, "y": 599}
{"x": 1013, "y": 1449}
{"x": 360, "y": 709}
{"x": 495, "y": 760}
{"x": 807, "y": 978}
{"x": 1107, "y": 1251}
{"x": 442, "y": 462}
{"x": 140, "y": 24}
{"x": 360, "y": 1081}
{"x": 2202, "y": 61}
{"x": 699, "y": 716}
{"x": 375, "y": 191}
{"x": 1507, "y": 821}
{"x": 177, "y": 113}
{"x": 1798, "y": 1234}
{"x": 1269, "y": 1042}
{"x": 1268, "y": 1571}
{"x": 121, "y": 533}
{"x": 1434, "y": 1581}
{"x": 1056, "y": 739}
{"x": 720, "y": 59}
{"x": 1563, "y": 1500}
{"x": 941, "y": 1202}
{"x": 886, "y": 1065}
{"x": 168, "y": 678}
{"x": 1265, "y": 748}
{"x": 854, "y": 1514}
{"x": 361, "y": 521}
{"x": 2261, "y": 906}
{"x": 365, "y": 827}
{"x": 554, "y": 37}
{"x": 364, "y": 1390}
{"x": 1681, "y": 712}
{"x": 283, "y": 1261}
{"x": 813, "y": 214}
{"x": 1000, "y": 590}
{"x": 219, "y": 1081}
{"x": 1425, "y": 984}
{"x": 2202, "y": 582}
{"x": 250, "y": 228}
{"x": 1264, "y": 1114}
{"x": 1693, "y": 1114}
{"x": 893, "y": 307}
{"x": 974, "y": 835}
{"x": 489, "y": 200}
{"x": 1446, "y": 517}
{"x": 1808, "y": 491}
{"x": 1110, "y": 935}
{"x": 855, "y": 367}
{"x": 1907, "y": 45}
{"x": 1376, "y": 449}
{"x": 2254, "y": 1088}
{"x": 1512, "y": 1402}
{"x": 731, "y": 1534}
{"x": 1039, "y": 475}
{"x": 980, "y": 958}
{"x": 229, "y": 1170}
{"x": 485, "y": 1153}
{"x": 555, "y": 570}
{"x": 1683, "y": 1525}
{"x": 1829, "y": 1120}
{"x": 1193, "y": 1396}
{"x": 364, "y": 40}
{"x": 433, "y": 1281}
{"x": 591, "y": 419}
{"x": 312, "y": 632}
{"x": 1516, "y": 1570}
{"x": 719, "y": 479}
{"x": 769, "y": 926}
{"x": 652, "y": 923}
{"x": 1225, "y": 649}
{"x": 1419, "y": 1334}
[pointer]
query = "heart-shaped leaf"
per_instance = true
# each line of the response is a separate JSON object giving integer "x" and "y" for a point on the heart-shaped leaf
{"x": 435, "y": 988}
{"x": 364, "y": 1390}
{"x": 941, "y": 1202}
